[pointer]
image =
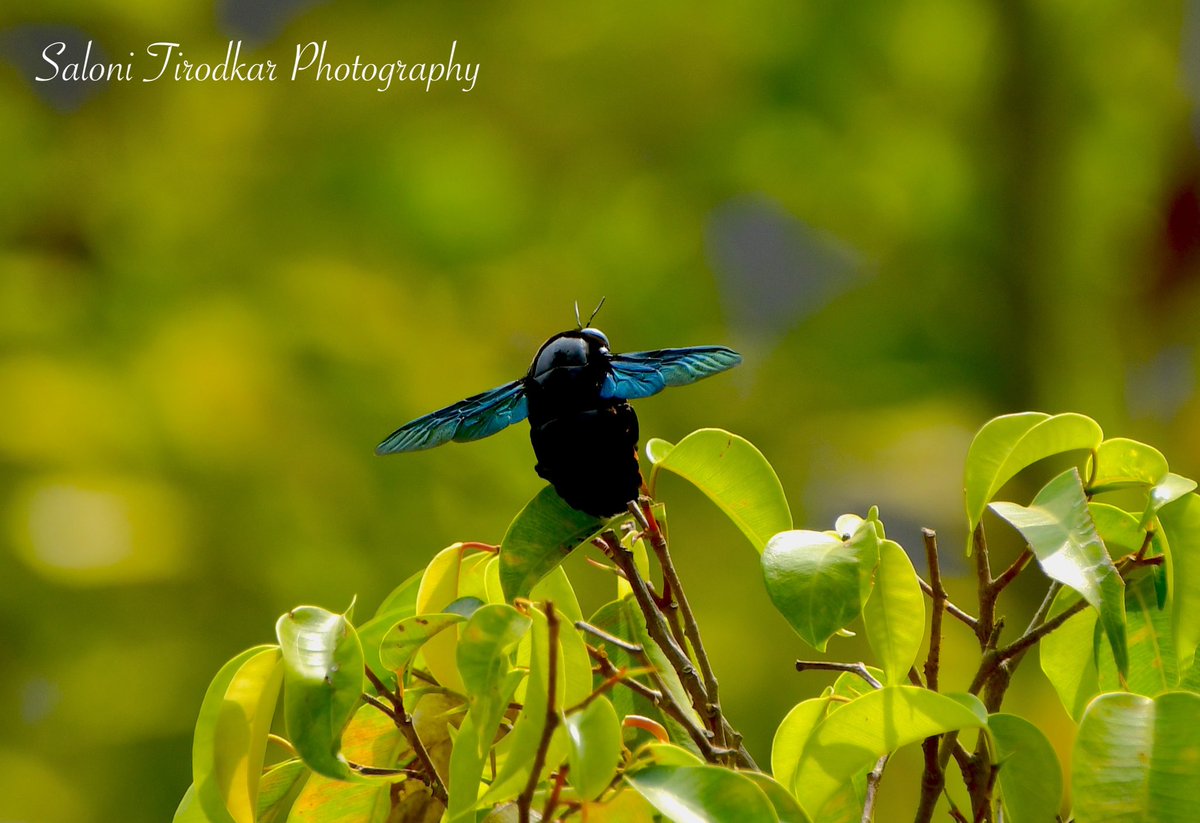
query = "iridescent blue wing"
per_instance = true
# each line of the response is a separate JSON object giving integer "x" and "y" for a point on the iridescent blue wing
{"x": 470, "y": 419}
{"x": 643, "y": 373}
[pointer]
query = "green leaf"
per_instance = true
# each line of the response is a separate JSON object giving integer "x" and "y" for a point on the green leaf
{"x": 541, "y": 536}
{"x": 188, "y": 810}
{"x": 483, "y": 661}
{"x": 1181, "y": 524}
{"x": 1068, "y": 657}
{"x": 594, "y": 735}
{"x": 787, "y": 809}
{"x": 1119, "y": 462}
{"x": 859, "y": 733}
{"x": 792, "y": 735}
{"x": 1030, "y": 777}
{"x": 453, "y": 573}
{"x": 734, "y": 475}
{"x": 1172, "y": 487}
{"x": 516, "y": 751}
{"x": 323, "y": 684}
{"x": 403, "y": 640}
{"x": 1138, "y": 759}
{"x": 278, "y": 790}
{"x": 230, "y": 742}
{"x": 816, "y": 581}
{"x": 1152, "y": 664}
{"x": 402, "y": 600}
{"x": 1006, "y": 445}
{"x": 703, "y": 794}
{"x": 894, "y": 614}
{"x": 467, "y": 760}
{"x": 1060, "y": 530}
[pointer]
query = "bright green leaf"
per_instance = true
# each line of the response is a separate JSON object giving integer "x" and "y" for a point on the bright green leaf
{"x": 467, "y": 761}
{"x": 1152, "y": 664}
{"x": 1068, "y": 656}
{"x": 483, "y": 662}
{"x": 792, "y": 735}
{"x": 278, "y": 790}
{"x": 703, "y": 794}
{"x": 1060, "y": 530}
{"x": 859, "y": 733}
{"x": 594, "y": 733}
{"x": 1006, "y": 445}
{"x": 541, "y": 536}
{"x": 454, "y": 572}
{"x": 734, "y": 475}
{"x": 816, "y": 580}
{"x": 1030, "y": 777}
{"x": 402, "y": 642}
{"x": 1181, "y": 524}
{"x": 323, "y": 684}
{"x": 189, "y": 810}
{"x": 1119, "y": 462}
{"x": 1138, "y": 759}
{"x": 668, "y": 754}
{"x": 230, "y": 742}
{"x": 894, "y": 614}
{"x": 1172, "y": 487}
{"x": 787, "y": 808}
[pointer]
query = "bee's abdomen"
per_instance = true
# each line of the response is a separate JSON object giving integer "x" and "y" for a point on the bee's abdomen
{"x": 590, "y": 457}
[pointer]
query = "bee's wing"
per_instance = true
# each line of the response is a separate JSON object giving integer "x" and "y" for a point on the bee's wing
{"x": 643, "y": 373}
{"x": 470, "y": 419}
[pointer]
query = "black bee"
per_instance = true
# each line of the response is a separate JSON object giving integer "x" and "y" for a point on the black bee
{"x": 583, "y": 431}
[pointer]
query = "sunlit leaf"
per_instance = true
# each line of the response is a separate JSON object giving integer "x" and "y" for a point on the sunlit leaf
{"x": 323, "y": 684}
{"x": 1007, "y": 444}
{"x": 1137, "y": 759}
{"x": 1060, "y": 530}
{"x": 787, "y": 808}
{"x": 454, "y": 572}
{"x": 859, "y": 733}
{"x": 402, "y": 642}
{"x": 483, "y": 661}
{"x": 1181, "y": 524}
{"x": 1152, "y": 664}
{"x": 1068, "y": 656}
{"x": 594, "y": 735}
{"x": 816, "y": 580}
{"x": 230, "y": 741}
{"x": 668, "y": 754}
{"x": 541, "y": 536}
{"x": 792, "y": 735}
{"x": 703, "y": 794}
{"x": 1172, "y": 487}
{"x": 278, "y": 789}
{"x": 189, "y": 810}
{"x": 894, "y": 614}
{"x": 1120, "y": 461}
{"x": 1030, "y": 776}
{"x": 467, "y": 760}
{"x": 734, "y": 475}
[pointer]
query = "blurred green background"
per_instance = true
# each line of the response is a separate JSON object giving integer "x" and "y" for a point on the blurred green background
{"x": 215, "y": 299}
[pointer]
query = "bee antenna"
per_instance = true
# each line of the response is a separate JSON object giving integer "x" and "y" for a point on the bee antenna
{"x": 594, "y": 312}
{"x": 578, "y": 322}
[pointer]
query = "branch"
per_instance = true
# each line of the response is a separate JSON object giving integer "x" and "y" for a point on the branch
{"x": 987, "y": 597}
{"x": 933, "y": 661}
{"x": 1010, "y": 574}
{"x": 873, "y": 778}
{"x": 404, "y": 722}
{"x": 951, "y": 609}
{"x": 827, "y": 666}
{"x": 673, "y": 588}
{"x": 539, "y": 760}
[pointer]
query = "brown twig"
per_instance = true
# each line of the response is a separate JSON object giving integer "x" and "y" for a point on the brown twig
{"x": 951, "y": 609}
{"x": 873, "y": 779}
{"x": 404, "y": 722}
{"x": 933, "y": 779}
{"x": 560, "y": 777}
{"x": 674, "y": 587}
{"x": 859, "y": 669}
{"x": 525, "y": 799}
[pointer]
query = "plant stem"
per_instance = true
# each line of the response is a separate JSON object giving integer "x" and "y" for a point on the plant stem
{"x": 674, "y": 588}
{"x": 933, "y": 779}
{"x": 404, "y": 722}
{"x": 829, "y": 666}
{"x": 525, "y": 799}
{"x": 873, "y": 779}
{"x": 951, "y": 609}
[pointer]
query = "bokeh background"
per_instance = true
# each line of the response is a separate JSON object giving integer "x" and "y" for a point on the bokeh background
{"x": 216, "y": 298}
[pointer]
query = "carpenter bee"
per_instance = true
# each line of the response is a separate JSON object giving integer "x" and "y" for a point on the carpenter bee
{"x": 575, "y": 394}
